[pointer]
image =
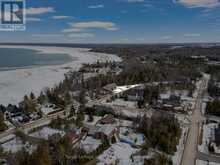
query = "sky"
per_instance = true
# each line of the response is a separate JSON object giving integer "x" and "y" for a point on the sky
{"x": 119, "y": 21}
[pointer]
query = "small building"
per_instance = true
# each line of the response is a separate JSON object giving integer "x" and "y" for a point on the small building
{"x": 106, "y": 132}
{"x": 135, "y": 94}
{"x": 102, "y": 132}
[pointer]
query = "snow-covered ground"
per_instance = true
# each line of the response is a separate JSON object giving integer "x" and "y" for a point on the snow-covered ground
{"x": 208, "y": 134}
{"x": 14, "y": 84}
{"x": 201, "y": 162}
{"x": 118, "y": 153}
{"x": 176, "y": 158}
{"x": 7, "y": 138}
{"x": 121, "y": 102}
{"x": 182, "y": 93}
{"x": 128, "y": 135}
{"x": 90, "y": 144}
{"x": 129, "y": 113}
{"x": 95, "y": 120}
{"x": 125, "y": 123}
{"x": 46, "y": 132}
{"x": 47, "y": 110}
{"x": 16, "y": 145}
{"x": 204, "y": 104}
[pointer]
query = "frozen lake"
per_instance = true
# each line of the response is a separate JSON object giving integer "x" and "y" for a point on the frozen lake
{"x": 13, "y": 58}
{"x": 15, "y": 83}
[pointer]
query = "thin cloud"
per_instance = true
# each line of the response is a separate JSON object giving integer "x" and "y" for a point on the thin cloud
{"x": 166, "y": 37}
{"x": 82, "y": 26}
{"x": 74, "y": 30}
{"x": 96, "y": 6}
{"x": 39, "y": 10}
{"x": 33, "y": 19}
{"x": 58, "y": 17}
{"x": 199, "y": 3}
{"x": 81, "y": 35}
{"x": 192, "y": 35}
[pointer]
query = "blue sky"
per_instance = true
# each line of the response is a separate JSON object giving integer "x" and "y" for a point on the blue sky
{"x": 119, "y": 21}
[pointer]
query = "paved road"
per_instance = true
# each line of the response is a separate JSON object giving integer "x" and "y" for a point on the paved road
{"x": 190, "y": 152}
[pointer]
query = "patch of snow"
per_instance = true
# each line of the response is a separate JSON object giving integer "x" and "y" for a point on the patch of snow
{"x": 16, "y": 145}
{"x": 120, "y": 89}
{"x": 46, "y": 132}
{"x": 46, "y": 111}
{"x": 204, "y": 104}
{"x": 90, "y": 144}
{"x": 208, "y": 134}
{"x": 201, "y": 162}
{"x": 118, "y": 152}
{"x": 125, "y": 123}
{"x": 128, "y": 135}
{"x": 176, "y": 158}
{"x": 7, "y": 138}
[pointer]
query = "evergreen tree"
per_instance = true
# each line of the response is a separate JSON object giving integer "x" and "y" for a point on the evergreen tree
{"x": 3, "y": 126}
{"x": 32, "y": 96}
{"x": 42, "y": 155}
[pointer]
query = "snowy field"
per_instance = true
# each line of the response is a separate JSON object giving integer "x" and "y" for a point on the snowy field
{"x": 16, "y": 145}
{"x": 46, "y": 132}
{"x": 14, "y": 84}
{"x": 118, "y": 153}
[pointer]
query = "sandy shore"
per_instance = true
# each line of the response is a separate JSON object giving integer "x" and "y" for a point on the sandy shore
{"x": 14, "y": 84}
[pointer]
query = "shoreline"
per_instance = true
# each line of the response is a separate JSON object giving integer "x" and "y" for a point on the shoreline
{"x": 15, "y": 84}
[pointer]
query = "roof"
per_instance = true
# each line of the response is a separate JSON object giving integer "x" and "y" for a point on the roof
{"x": 108, "y": 119}
{"x": 72, "y": 136}
{"x": 106, "y": 129}
{"x": 120, "y": 89}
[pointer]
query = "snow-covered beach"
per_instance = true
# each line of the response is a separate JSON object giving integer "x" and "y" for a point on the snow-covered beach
{"x": 14, "y": 84}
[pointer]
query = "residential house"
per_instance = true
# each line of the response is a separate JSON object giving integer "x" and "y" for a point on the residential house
{"x": 107, "y": 119}
{"x": 135, "y": 94}
{"x": 102, "y": 132}
{"x": 73, "y": 137}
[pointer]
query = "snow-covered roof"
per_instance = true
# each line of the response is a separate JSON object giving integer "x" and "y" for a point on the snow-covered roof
{"x": 106, "y": 129}
{"x": 120, "y": 89}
